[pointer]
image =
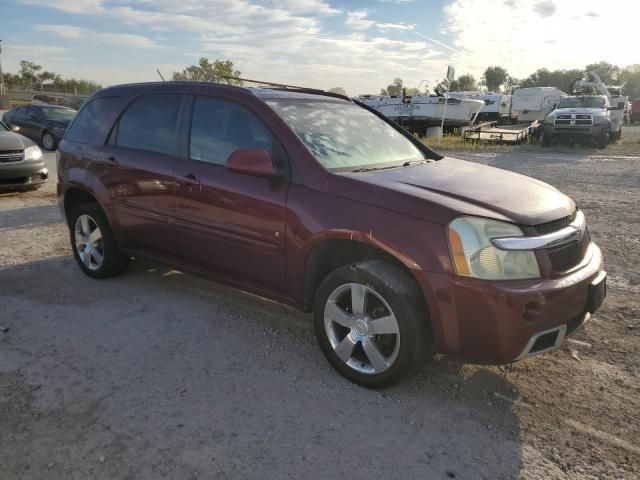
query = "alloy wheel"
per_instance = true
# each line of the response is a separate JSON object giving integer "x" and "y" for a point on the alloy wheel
{"x": 89, "y": 245}
{"x": 362, "y": 329}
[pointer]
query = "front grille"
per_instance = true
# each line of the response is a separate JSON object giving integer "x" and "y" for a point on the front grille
{"x": 554, "y": 225}
{"x": 11, "y": 156}
{"x": 565, "y": 257}
{"x": 574, "y": 119}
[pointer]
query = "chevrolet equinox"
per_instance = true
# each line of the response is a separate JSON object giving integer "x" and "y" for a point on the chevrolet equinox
{"x": 317, "y": 201}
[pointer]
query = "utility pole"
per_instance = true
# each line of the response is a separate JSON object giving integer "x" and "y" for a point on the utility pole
{"x": 1, "y": 74}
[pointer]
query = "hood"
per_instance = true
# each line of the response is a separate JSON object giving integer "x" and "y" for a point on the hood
{"x": 580, "y": 110}
{"x": 441, "y": 190}
{"x": 13, "y": 141}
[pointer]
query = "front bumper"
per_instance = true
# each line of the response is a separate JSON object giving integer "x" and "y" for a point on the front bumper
{"x": 499, "y": 321}
{"x": 574, "y": 131}
{"x": 23, "y": 174}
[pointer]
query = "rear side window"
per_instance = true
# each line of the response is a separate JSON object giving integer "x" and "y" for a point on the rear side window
{"x": 220, "y": 127}
{"x": 89, "y": 119}
{"x": 151, "y": 124}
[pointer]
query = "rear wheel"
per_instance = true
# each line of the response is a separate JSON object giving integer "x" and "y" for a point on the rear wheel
{"x": 93, "y": 244}
{"x": 370, "y": 323}
{"x": 48, "y": 141}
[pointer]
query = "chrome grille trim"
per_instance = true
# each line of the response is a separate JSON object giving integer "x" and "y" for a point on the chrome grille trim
{"x": 573, "y": 232}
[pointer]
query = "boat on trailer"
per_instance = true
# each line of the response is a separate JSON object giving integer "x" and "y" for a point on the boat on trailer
{"x": 420, "y": 112}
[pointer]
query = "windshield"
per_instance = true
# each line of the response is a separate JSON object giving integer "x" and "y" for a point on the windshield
{"x": 58, "y": 114}
{"x": 582, "y": 102}
{"x": 345, "y": 136}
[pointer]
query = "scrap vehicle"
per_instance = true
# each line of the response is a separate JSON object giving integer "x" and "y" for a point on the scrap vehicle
{"x": 635, "y": 110}
{"x": 318, "y": 201}
{"x": 21, "y": 164}
{"x": 534, "y": 103}
{"x": 41, "y": 122}
{"x": 594, "y": 112}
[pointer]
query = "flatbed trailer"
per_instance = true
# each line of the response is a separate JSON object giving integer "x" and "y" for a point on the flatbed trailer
{"x": 490, "y": 132}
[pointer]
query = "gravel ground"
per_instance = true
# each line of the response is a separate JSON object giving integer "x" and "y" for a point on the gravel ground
{"x": 157, "y": 374}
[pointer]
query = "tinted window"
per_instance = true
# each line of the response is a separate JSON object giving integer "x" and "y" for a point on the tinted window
{"x": 220, "y": 127}
{"x": 89, "y": 119}
{"x": 151, "y": 123}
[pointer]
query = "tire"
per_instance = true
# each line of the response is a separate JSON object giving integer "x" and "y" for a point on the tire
{"x": 348, "y": 344}
{"x": 546, "y": 140}
{"x": 604, "y": 140}
{"x": 48, "y": 141}
{"x": 87, "y": 255}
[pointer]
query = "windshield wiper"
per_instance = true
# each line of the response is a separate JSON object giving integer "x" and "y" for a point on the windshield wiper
{"x": 370, "y": 169}
{"x": 414, "y": 162}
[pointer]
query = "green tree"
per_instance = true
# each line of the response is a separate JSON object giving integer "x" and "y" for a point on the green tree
{"x": 394, "y": 89}
{"x": 607, "y": 72}
{"x": 29, "y": 72}
{"x": 338, "y": 90}
{"x": 206, "y": 71}
{"x": 560, "y": 79}
{"x": 464, "y": 83}
{"x": 630, "y": 77}
{"x": 494, "y": 78}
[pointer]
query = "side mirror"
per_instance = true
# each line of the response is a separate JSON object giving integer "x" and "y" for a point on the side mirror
{"x": 251, "y": 161}
{"x": 15, "y": 128}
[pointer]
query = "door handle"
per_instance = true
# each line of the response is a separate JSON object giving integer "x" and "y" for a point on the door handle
{"x": 190, "y": 179}
{"x": 113, "y": 161}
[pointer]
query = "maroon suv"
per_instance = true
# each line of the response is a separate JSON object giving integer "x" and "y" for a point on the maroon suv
{"x": 317, "y": 201}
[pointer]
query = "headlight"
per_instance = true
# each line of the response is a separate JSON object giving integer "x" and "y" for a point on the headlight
{"x": 600, "y": 119}
{"x": 474, "y": 255}
{"x": 32, "y": 153}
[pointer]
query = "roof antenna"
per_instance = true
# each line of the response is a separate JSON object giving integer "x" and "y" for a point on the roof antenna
{"x": 158, "y": 70}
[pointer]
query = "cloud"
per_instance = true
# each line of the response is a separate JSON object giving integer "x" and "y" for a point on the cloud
{"x": 71, "y": 6}
{"x": 545, "y": 8}
{"x": 593, "y": 14}
{"x": 526, "y": 42}
{"x": 72, "y": 32}
{"x": 397, "y": 2}
{"x": 395, "y": 26}
{"x": 357, "y": 20}
{"x": 310, "y": 6}
{"x": 287, "y": 41}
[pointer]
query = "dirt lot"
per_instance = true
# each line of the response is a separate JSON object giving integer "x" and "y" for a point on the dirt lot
{"x": 157, "y": 374}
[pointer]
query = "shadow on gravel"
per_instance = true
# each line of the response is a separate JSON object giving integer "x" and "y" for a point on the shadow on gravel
{"x": 156, "y": 373}
{"x": 30, "y": 216}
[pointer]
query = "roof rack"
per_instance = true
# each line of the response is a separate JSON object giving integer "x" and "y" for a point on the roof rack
{"x": 282, "y": 86}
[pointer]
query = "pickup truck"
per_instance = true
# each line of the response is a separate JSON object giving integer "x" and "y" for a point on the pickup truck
{"x": 586, "y": 117}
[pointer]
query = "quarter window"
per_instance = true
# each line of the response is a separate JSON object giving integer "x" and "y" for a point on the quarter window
{"x": 220, "y": 127}
{"x": 89, "y": 119}
{"x": 151, "y": 124}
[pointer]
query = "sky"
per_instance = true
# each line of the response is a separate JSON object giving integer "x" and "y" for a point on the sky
{"x": 358, "y": 45}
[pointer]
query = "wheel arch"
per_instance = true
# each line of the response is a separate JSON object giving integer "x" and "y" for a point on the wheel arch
{"x": 330, "y": 253}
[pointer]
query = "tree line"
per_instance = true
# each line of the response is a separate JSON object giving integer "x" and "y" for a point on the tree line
{"x": 32, "y": 75}
{"x": 497, "y": 79}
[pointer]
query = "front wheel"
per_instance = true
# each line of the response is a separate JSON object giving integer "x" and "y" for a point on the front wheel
{"x": 370, "y": 323}
{"x": 93, "y": 244}
{"x": 546, "y": 140}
